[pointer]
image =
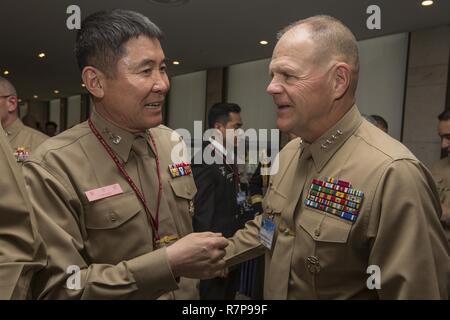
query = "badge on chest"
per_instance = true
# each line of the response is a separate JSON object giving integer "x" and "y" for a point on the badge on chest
{"x": 180, "y": 169}
{"x": 336, "y": 197}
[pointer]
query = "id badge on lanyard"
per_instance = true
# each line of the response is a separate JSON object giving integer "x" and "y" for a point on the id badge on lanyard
{"x": 267, "y": 231}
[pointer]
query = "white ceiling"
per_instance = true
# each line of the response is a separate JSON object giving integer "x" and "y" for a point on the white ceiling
{"x": 201, "y": 34}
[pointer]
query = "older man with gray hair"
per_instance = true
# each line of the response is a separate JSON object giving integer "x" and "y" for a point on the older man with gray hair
{"x": 351, "y": 213}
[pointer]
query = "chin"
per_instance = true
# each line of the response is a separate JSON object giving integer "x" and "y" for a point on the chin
{"x": 153, "y": 122}
{"x": 284, "y": 125}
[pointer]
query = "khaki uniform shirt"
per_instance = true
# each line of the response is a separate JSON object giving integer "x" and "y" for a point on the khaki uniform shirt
{"x": 21, "y": 249}
{"x": 23, "y": 139}
{"x": 110, "y": 239}
{"x": 318, "y": 255}
{"x": 441, "y": 173}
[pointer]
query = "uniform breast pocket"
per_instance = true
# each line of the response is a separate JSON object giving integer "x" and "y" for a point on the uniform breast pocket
{"x": 325, "y": 228}
{"x": 184, "y": 190}
{"x": 116, "y": 227}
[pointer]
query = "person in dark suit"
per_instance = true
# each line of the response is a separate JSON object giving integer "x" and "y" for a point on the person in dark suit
{"x": 217, "y": 180}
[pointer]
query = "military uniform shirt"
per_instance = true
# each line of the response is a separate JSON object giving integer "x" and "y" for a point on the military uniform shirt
{"x": 21, "y": 248}
{"x": 320, "y": 255}
{"x": 110, "y": 239}
{"x": 441, "y": 173}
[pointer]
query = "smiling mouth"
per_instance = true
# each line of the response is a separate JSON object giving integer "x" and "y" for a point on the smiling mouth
{"x": 153, "y": 106}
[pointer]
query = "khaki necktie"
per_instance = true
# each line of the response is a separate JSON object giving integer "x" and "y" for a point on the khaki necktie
{"x": 294, "y": 190}
{"x": 148, "y": 177}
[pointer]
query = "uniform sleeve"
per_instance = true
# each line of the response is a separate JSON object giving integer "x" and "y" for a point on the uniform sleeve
{"x": 444, "y": 195}
{"x": 246, "y": 240}
{"x": 22, "y": 252}
{"x": 58, "y": 213}
{"x": 204, "y": 199}
{"x": 408, "y": 243}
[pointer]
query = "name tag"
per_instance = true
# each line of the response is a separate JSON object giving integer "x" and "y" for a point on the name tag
{"x": 103, "y": 192}
{"x": 266, "y": 232}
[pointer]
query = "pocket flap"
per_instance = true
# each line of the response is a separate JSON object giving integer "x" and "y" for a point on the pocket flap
{"x": 112, "y": 212}
{"x": 184, "y": 187}
{"x": 323, "y": 227}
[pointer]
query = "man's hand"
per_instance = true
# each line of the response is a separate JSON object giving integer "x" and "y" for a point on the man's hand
{"x": 198, "y": 255}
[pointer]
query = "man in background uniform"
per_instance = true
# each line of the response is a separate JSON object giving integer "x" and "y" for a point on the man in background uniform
{"x": 22, "y": 252}
{"x": 23, "y": 139}
{"x": 350, "y": 213}
{"x": 110, "y": 199}
{"x": 441, "y": 170}
{"x": 218, "y": 186}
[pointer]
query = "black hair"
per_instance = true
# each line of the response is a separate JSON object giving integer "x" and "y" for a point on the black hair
{"x": 101, "y": 38}
{"x": 380, "y": 120}
{"x": 220, "y": 112}
{"x": 445, "y": 115}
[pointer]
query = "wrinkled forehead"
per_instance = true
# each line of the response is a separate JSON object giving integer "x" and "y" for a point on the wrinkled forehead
{"x": 295, "y": 47}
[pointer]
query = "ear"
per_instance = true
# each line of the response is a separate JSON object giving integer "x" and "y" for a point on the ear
{"x": 94, "y": 81}
{"x": 342, "y": 79}
{"x": 218, "y": 126}
{"x": 12, "y": 104}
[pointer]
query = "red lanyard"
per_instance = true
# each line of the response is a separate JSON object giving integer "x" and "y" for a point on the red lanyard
{"x": 154, "y": 222}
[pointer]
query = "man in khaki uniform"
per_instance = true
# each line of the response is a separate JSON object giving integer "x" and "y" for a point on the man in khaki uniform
{"x": 21, "y": 249}
{"x": 354, "y": 214}
{"x": 441, "y": 170}
{"x": 105, "y": 198}
{"x": 23, "y": 139}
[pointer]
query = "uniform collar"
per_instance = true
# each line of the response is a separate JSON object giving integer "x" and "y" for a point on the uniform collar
{"x": 331, "y": 141}
{"x": 117, "y": 138}
{"x": 14, "y": 129}
{"x": 219, "y": 147}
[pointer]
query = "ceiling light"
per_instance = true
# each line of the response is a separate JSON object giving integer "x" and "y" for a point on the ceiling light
{"x": 6, "y": 72}
{"x": 263, "y": 42}
{"x": 426, "y": 3}
{"x": 176, "y": 63}
{"x": 35, "y": 96}
{"x": 41, "y": 55}
{"x": 56, "y": 91}
{"x": 83, "y": 85}
{"x": 19, "y": 100}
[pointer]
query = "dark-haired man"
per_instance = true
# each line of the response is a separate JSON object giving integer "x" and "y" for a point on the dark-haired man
{"x": 106, "y": 201}
{"x": 380, "y": 122}
{"x": 218, "y": 186}
{"x": 441, "y": 169}
{"x": 50, "y": 128}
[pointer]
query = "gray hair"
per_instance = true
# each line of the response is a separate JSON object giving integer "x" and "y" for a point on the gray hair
{"x": 100, "y": 41}
{"x": 332, "y": 39}
{"x": 8, "y": 86}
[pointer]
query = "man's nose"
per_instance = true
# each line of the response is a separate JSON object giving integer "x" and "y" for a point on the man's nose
{"x": 274, "y": 87}
{"x": 161, "y": 85}
{"x": 445, "y": 144}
